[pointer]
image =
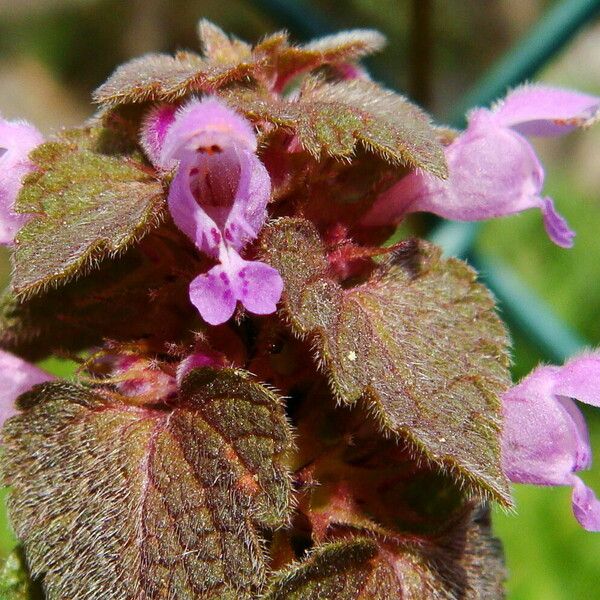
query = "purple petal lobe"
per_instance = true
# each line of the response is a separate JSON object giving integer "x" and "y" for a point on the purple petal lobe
{"x": 556, "y": 226}
{"x": 586, "y": 506}
{"x": 17, "y": 140}
{"x": 259, "y": 287}
{"x": 255, "y": 284}
{"x": 212, "y": 295}
{"x": 16, "y": 377}
{"x": 545, "y": 111}
{"x": 154, "y": 131}
{"x": 580, "y": 378}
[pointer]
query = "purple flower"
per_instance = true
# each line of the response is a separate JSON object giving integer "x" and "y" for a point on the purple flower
{"x": 17, "y": 140}
{"x": 493, "y": 170}
{"x": 545, "y": 439}
{"x": 218, "y": 198}
{"x": 156, "y": 124}
{"x": 16, "y": 377}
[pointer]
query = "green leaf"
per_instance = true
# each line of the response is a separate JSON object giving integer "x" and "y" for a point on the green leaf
{"x": 15, "y": 582}
{"x": 332, "y": 118}
{"x": 150, "y": 501}
{"x": 419, "y": 344}
{"x": 87, "y": 205}
{"x": 466, "y": 565}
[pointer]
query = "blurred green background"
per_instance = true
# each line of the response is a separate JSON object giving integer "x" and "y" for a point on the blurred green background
{"x": 53, "y": 53}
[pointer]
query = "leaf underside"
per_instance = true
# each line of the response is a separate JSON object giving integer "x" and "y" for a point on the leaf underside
{"x": 419, "y": 344}
{"x": 86, "y": 205}
{"x": 120, "y": 502}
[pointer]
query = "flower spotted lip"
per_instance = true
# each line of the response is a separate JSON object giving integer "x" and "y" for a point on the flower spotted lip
{"x": 218, "y": 198}
{"x": 17, "y": 140}
{"x": 545, "y": 439}
{"x": 493, "y": 170}
{"x": 17, "y": 376}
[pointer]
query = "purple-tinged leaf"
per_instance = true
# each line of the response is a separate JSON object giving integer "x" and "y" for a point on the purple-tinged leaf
{"x": 464, "y": 565}
{"x": 332, "y": 118}
{"x": 87, "y": 205}
{"x": 153, "y": 502}
{"x": 140, "y": 295}
{"x": 419, "y": 344}
{"x": 285, "y": 61}
{"x": 272, "y": 62}
{"x": 165, "y": 78}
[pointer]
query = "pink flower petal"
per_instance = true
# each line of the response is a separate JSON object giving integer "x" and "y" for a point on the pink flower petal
{"x": 493, "y": 172}
{"x": 556, "y": 225}
{"x": 206, "y": 124}
{"x": 545, "y": 111}
{"x": 259, "y": 287}
{"x": 545, "y": 439}
{"x": 154, "y": 131}
{"x": 255, "y": 284}
{"x": 17, "y": 140}
{"x": 218, "y": 198}
{"x": 16, "y": 377}
{"x": 580, "y": 378}
{"x": 541, "y": 443}
{"x": 212, "y": 295}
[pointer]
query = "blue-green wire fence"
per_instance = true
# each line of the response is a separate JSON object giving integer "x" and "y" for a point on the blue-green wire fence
{"x": 526, "y": 312}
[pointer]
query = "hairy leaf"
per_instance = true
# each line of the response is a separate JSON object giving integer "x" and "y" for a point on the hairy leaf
{"x": 218, "y": 47}
{"x": 15, "y": 582}
{"x": 355, "y": 478}
{"x": 141, "y": 295}
{"x": 332, "y": 118}
{"x": 285, "y": 60}
{"x": 344, "y": 570}
{"x": 165, "y": 78}
{"x": 125, "y": 502}
{"x": 419, "y": 343}
{"x": 466, "y": 565}
{"x": 87, "y": 205}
